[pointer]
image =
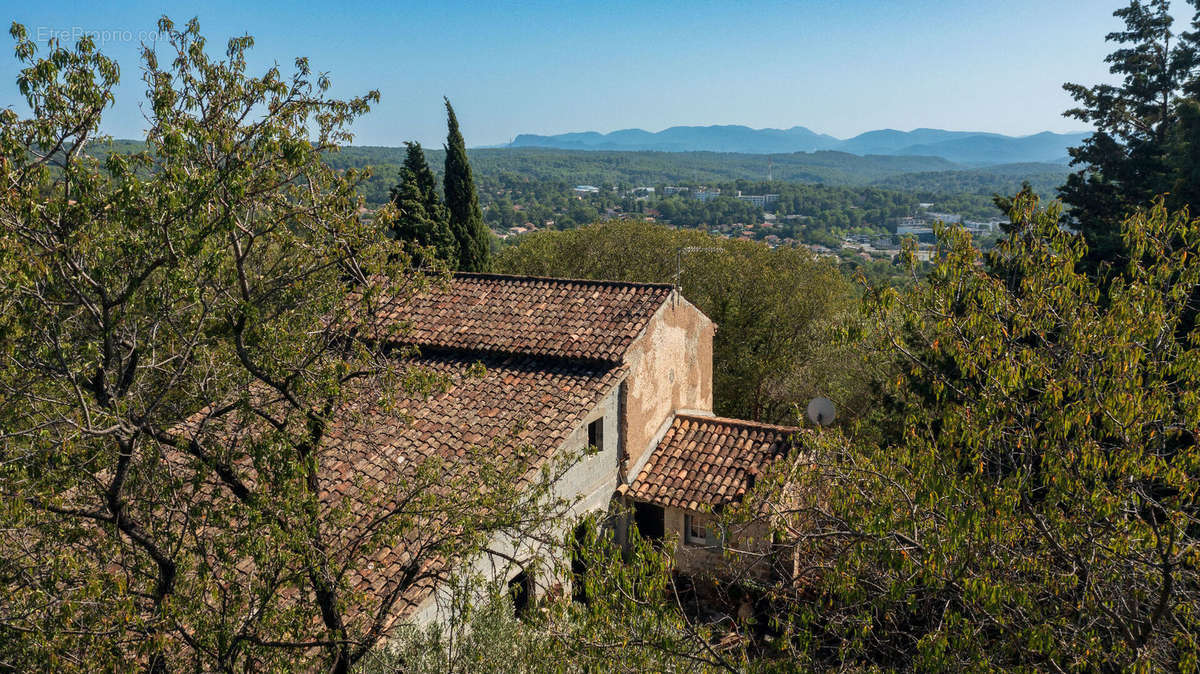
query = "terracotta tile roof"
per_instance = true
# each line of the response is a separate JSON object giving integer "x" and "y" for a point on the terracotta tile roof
{"x": 519, "y": 403}
{"x": 527, "y": 315}
{"x": 546, "y": 400}
{"x": 707, "y": 461}
{"x": 514, "y": 408}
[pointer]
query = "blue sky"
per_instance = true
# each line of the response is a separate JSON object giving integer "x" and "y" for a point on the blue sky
{"x": 836, "y": 66}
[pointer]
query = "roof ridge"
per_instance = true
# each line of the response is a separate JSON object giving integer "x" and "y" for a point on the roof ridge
{"x": 559, "y": 279}
{"x": 588, "y": 320}
{"x": 729, "y": 421}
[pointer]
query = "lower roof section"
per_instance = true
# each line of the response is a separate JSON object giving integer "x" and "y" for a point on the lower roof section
{"x": 708, "y": 461}
{"x": 518, "y": 409}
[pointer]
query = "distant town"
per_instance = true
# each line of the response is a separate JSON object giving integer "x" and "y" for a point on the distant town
{"x": 880, "y": 246}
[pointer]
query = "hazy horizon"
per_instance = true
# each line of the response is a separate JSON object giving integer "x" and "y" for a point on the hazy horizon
{"x": 551, "y": 68}
{"x": 437, "y": 143}
{"x": 1079, "y": 129}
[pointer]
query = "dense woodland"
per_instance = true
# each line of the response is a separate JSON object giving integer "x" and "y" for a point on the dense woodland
{"x": 870, "y": 191}
{"x": 648, "y": 168}
{"x": 633, "y": 169}
{"x": 1013, "y": 482}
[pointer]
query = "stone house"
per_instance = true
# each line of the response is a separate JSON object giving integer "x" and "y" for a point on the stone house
{"x": 529, "y": 369}
{"x": 623, "y": 367}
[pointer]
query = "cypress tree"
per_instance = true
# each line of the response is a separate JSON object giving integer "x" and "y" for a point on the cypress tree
{"x": 462, "y": 202}
{"x": 421, "y": 218}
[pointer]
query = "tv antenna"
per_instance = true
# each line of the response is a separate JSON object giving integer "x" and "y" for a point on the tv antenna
{"x": 679, "y": 253}
{"x": 821, "y": 411}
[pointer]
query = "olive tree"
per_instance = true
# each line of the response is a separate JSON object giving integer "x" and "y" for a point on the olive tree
{"x": 155, "y": 305}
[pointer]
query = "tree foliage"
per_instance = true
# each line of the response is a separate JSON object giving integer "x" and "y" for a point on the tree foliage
{"x": 723, "y": 210}
{"x": 1036, "y": 504}
{"x": 462, "y": 203}
{"x": 159, "y": 306}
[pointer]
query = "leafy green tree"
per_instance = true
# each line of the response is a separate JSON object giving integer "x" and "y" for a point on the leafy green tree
{"x": 1036, "y": 504}
{"x": 157, "y": 303}
{"x": 421, "y": 219}
{"x": 462, "y": 202}
{"x": 1127, "y": 161}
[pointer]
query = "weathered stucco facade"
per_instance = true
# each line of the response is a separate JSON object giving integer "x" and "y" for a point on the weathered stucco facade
{"x": 588, "y": 484}
{"x": 670, "y": 370}
{"x": 647, "y": 354}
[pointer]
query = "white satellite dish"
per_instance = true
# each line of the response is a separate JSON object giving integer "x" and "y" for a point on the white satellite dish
{"x": 821, "y": 411}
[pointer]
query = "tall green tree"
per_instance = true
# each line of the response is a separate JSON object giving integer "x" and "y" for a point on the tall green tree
{"x": 1184, "y": 156}
{"x": 421, "y": 219}
{"x": 466, "y": 218}
{"x": 1127, "y": 161}
{"x": 155, "y": 303}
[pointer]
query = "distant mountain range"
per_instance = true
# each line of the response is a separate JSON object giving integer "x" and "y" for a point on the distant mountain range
{"x": 964, "y": 147}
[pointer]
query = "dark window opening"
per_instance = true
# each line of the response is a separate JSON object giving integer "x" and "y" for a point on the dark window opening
{"x": 520, "y": 590}
{"x": 596, "y": 434}
{"x": 649, "y": 520}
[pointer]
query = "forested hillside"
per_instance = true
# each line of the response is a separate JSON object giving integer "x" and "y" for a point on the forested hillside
{"x": 910, "y": 173}
{"x": 648, "y": 168}
{"x": 1002, "y": 179}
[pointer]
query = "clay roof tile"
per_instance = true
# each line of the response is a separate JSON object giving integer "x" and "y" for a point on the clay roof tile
{"x": 707, "y": 461}
{"x": 586, "y": 320}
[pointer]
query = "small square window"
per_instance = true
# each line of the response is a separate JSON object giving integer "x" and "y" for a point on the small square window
{"x": 596, "y": 434}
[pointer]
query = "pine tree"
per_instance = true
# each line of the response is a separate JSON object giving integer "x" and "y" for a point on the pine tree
{"x": 421, "y": 219}
{"x": 1185, "y": 157}
{"x": 466, "y": 218}
{"x": 1127, "y": 161}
